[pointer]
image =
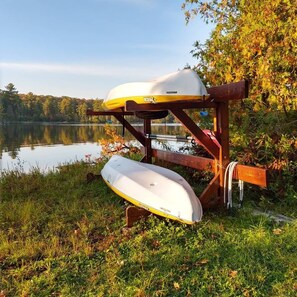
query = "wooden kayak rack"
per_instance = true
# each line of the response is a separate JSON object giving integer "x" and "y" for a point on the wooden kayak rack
{"x": 213, "y": 194}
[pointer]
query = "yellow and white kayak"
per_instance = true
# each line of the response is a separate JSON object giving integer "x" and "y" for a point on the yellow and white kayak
{"x": 177, "y": 86}
{"x": 154, "y": 188}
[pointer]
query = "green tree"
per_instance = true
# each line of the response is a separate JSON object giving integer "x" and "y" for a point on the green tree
{"x": 50, "y": 108}
{"x": 254, "y": 40}
{"x": 29, "y": 102}
{"x": 10, "y": 103}
{"x": 82, "y": 111}
{"x": 67, "y": 107}
{"x": 97, "y": 106}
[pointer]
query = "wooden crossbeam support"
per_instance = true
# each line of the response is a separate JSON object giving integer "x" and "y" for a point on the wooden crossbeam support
{"x": 196, "y": 162}
{"x": 139, "y": 136}
{"x": 189, "y": 104}
{"x": 197, "y": 133}
{"x": 232, "y": 91}
{"x": 250, "y": 174}
{"x": 104, "y": 113}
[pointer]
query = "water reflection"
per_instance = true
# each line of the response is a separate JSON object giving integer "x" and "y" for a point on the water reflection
{"x": 15, "y": 136}
{"x": 45, "y": 145}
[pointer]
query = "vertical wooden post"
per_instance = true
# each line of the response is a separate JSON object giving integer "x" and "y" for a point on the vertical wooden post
{"x": 222, "y": 133}
{"x": 148, "y": 141}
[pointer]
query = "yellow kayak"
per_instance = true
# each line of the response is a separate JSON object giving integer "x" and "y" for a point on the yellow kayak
{"x": 177, "y": 86}
{"x": 154, "y": 188}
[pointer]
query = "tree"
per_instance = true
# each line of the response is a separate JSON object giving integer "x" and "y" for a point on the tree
{"x": 10, "y": 103}
{"x": 254, "y": 40}
{"x": 82, "y": 111}
{"x": 50, "y": 108}
{"x": 67, "y": 107}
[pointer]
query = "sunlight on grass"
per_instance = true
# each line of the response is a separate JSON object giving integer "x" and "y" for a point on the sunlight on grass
{"x": 61, "y": 236}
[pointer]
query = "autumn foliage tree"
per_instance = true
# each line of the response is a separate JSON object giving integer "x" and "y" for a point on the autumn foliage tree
{"x": 254, "y": 40}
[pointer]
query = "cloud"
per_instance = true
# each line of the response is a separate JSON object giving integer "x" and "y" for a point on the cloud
{"x": 58, "y": 68}
{"x": 136, "y": 70}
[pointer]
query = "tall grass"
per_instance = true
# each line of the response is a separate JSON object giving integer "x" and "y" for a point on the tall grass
{"x": 62, "y": 236}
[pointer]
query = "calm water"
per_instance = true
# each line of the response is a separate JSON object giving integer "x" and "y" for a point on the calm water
{"x": 25, "y": 146}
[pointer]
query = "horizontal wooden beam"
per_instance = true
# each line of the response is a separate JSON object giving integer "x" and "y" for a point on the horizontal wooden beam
{"x": 249, "y": 174}
{"x": 253, "y": 175}
{"x": 107, "y": 113}
{"x": 199, "y": 163}
{"x": 232, "y": 91}
{"x": 133, "y": 106}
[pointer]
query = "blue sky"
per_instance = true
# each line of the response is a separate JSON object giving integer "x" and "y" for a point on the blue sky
{"x": 83, "y": 48}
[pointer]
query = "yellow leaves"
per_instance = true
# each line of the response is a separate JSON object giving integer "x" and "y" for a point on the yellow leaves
{"x": 176, "y": 286}
{"x": 229, "y": 77}
{"x": 277, "y": 231}
{"x": 203, "y": 261}
{"x": 233, "y": 273}
{"x": 115, "y": 144}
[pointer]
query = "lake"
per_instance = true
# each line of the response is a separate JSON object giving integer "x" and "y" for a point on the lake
{"x": 46, "y": 146}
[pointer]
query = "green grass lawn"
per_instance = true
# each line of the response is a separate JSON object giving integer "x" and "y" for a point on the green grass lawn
{"x": 61, "y": 236}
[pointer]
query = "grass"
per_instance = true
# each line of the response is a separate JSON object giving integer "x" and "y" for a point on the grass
{"x": 61, "y": 236}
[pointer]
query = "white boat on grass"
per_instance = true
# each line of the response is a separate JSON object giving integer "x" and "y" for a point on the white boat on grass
{"x": 177, "y": 86}
{"x": 154, "y": 188}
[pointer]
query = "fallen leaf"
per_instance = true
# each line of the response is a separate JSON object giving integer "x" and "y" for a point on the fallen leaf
{"x": 176, "y": 285}
{"x": 203, "y": 261}
{"x": 233, "y": 273}
{"x": 277, "y": 231}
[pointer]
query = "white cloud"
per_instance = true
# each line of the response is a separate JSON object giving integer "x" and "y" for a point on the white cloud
{"x": 77, "y": 80}
{"x": 60, "y": 68}
{"x": 103, "y": 70}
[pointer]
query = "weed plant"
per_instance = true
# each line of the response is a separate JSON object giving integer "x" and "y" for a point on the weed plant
{"x": 62, "y": 236}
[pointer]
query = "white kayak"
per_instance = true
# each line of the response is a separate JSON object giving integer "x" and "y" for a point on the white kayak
{"x": 154, "y": 188}
{"x": 177, "y": 86}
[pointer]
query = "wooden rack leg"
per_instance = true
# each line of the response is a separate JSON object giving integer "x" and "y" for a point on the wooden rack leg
{"x": 222, "y": 133}
{"x": 134, "y": 214}
{"x": 148, "y": 142}
{"x": 209, "y": 197}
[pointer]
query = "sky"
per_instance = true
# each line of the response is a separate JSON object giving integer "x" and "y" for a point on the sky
{"x": 83, "y": 48}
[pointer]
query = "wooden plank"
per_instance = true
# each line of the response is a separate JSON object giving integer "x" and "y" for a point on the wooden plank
{"x": 250, "y": 174}
{"x": 199, "y": 135}
{"x": 133, "y": 106}
{"x": 103, "y": 113}
{"x": 254, "y": 175}
{"x": 199, "y": 163}
{"x": 232, "y": 91}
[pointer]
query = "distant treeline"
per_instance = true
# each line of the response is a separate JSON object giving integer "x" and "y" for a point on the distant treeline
{"x": 31, "y": 107}
{"x": 15, "y": 107}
